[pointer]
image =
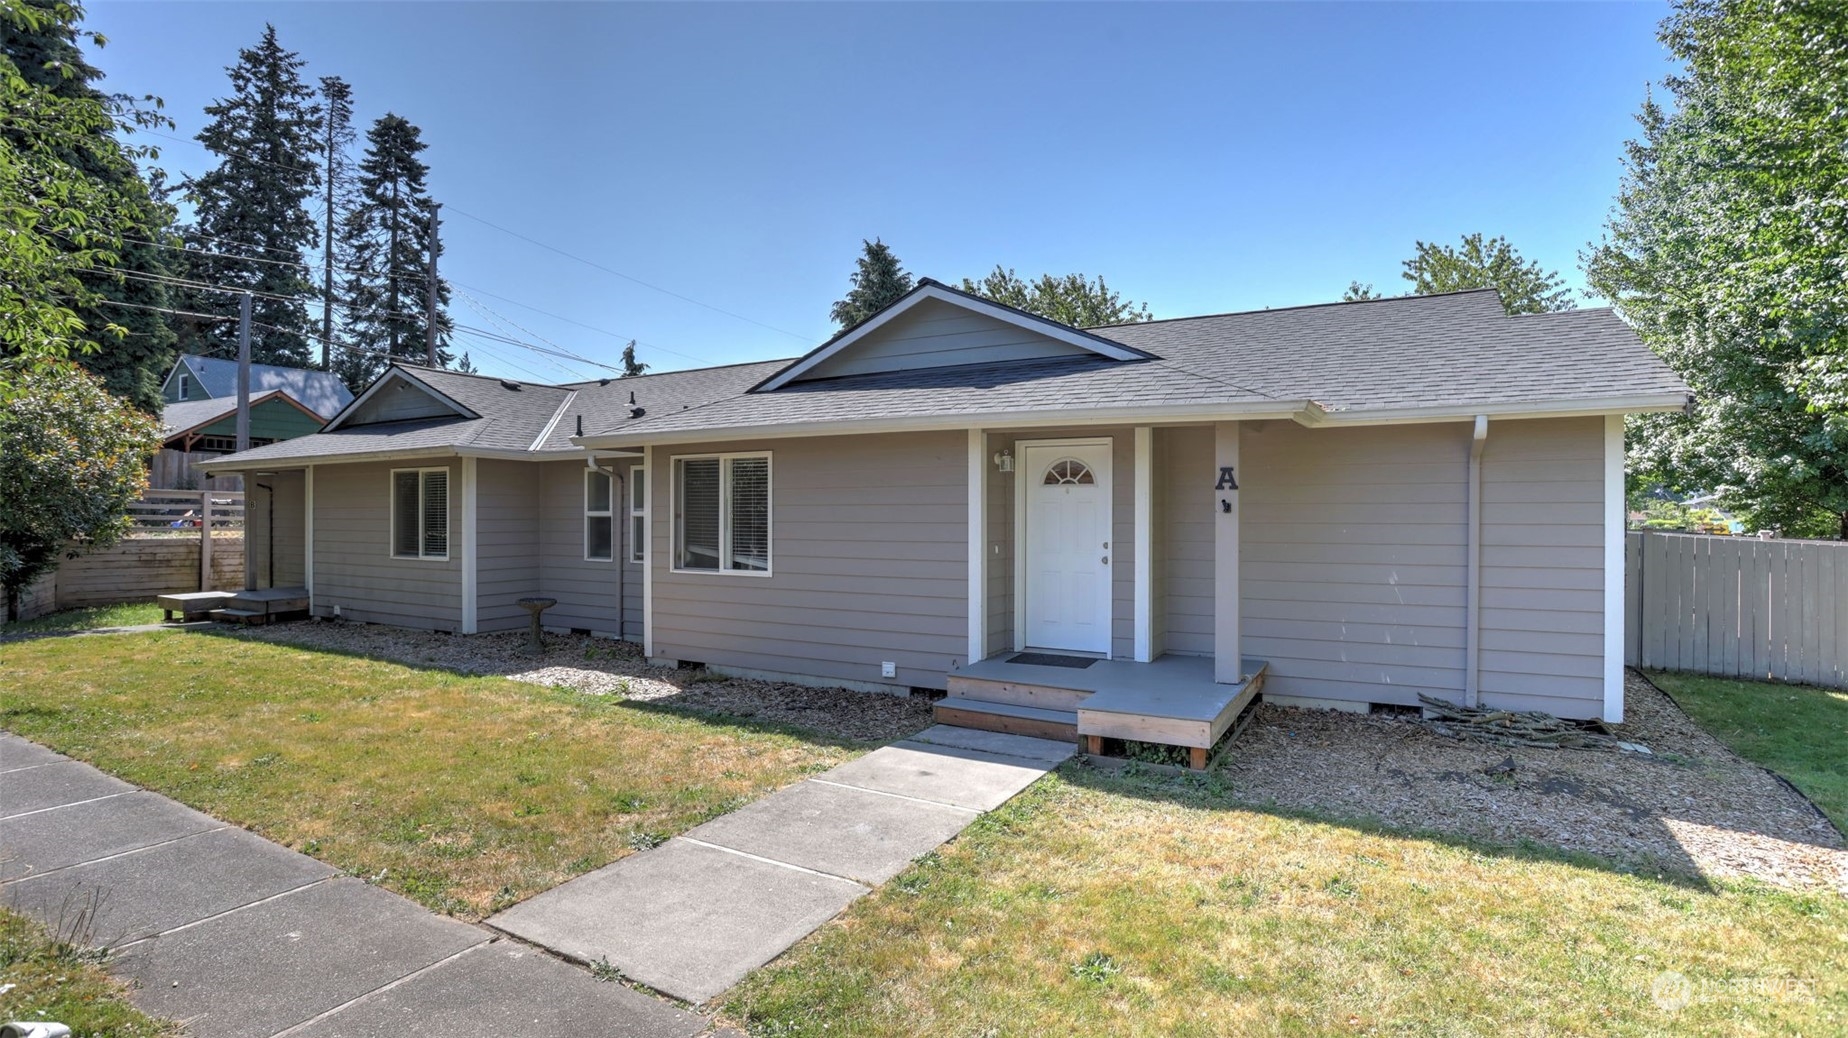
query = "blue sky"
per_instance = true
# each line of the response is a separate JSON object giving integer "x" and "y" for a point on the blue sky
{"x": 1203, "y": 158}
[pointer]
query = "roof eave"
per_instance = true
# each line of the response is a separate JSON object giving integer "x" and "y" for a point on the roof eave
{"x": 1640, "y": 403}
{"x": 231, "y": 462}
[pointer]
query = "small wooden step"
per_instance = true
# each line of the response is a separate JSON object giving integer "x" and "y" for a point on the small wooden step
{"x": 241, "y": 616}
{"x": 193, "y": 604}
{"x": 269, "y": 604}
{"x": 1012, "y": 718}
{"x": 1022, "y": 693}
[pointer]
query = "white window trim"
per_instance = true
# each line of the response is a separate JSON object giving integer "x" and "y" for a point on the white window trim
{"x": 608, "y": 513}
{"x": 673, "y": 480}
{"x": 638, "y": 486}
{"x": 391, "y": 534}
{"x": 185, "y": 383}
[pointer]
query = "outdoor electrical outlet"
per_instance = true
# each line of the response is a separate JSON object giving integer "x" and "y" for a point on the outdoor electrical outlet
{"x": 888, "y": 669}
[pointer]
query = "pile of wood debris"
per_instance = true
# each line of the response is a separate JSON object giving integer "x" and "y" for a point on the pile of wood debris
{"x": 1520, "y": 728}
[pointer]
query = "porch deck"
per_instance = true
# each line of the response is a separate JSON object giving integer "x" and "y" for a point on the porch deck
{"x": 1173, "y": 700}
{"x": 260, "y": 605}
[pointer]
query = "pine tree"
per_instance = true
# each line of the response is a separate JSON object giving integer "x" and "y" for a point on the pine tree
{"x": 630, "y": 366}
{"x": 388, "y": 238}
{"x": 130, "y": 359}
{"x": 338, "y": 199}
{"x": 877, "y": 280}
{"x": 253, "y": 206}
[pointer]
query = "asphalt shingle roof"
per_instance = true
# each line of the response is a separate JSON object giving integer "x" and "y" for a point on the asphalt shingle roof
{"x": 320, "y": 391}
{"x": 1455, "y": 351}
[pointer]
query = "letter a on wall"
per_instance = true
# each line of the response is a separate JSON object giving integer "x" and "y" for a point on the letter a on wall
{"x": 1226, "y": 480}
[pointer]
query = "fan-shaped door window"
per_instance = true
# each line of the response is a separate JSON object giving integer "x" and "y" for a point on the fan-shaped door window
{"x": 1069, "y": 472}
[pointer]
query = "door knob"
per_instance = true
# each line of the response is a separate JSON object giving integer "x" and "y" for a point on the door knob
{"x": 1106, "y": 560}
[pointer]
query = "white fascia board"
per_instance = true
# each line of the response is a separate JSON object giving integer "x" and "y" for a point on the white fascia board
{"x": 1318, "y": 416}
{"x": 1037, "y": 325}
{"x": 395, "y": 375}
{"x": 496, "y": 453}
{"x": 1186, "y": 414}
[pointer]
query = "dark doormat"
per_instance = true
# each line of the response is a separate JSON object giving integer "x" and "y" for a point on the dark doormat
{"x": 1051, "y": 659}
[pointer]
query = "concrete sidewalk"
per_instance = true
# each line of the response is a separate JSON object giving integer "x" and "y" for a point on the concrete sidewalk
{"x": 238, "y": 937}
{"x": 695, "y": 915}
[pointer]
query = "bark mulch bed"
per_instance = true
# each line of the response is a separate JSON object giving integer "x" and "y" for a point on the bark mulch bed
{"x": 1691, "y": 806}
{"x": 603, "y": 666}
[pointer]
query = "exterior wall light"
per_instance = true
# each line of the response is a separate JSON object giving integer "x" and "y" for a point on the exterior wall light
{"x": 1004, "y": 461}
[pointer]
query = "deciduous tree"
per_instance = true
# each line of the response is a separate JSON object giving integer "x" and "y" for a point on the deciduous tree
{"x": 1728, "y": 251}
{"x": 1073, "y": 299}
{"x": 1478, "y": 262}
{"x": 72, "y": 457}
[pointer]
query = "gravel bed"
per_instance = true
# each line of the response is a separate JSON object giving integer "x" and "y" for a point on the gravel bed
{"x": 605, "y": 667}
{"x": 1692, "y": 806}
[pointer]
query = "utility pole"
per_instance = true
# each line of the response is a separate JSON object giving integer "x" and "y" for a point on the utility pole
{"x": 243, "y": 372}
{"x": 436, "y": 209}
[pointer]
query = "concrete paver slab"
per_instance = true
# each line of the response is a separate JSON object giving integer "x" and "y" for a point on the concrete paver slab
{"x": 54, "y": 785}
{"x": 684, "y": 918}
{"x": 942, "y": 774}
{"x": 278, "y": 963}
{"x": 840, "y": 830}
{"x": 16, "y": 753}
{"x": 36, "y": 843}
{"x": 146, "y": 892}
{"x": 1044, "y": 751}
{"x": 506, "y": 988}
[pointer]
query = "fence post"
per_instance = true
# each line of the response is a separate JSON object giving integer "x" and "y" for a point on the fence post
{"x": 205, "y": 540}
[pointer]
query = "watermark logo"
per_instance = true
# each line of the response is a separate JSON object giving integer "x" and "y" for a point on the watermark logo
{"x": 1672, "y": 991}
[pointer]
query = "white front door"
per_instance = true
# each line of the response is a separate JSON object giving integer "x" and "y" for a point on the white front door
{"x": 1065, "y": 534}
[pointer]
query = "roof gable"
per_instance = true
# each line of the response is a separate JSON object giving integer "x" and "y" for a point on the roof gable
{"x": 398, "y": 397}
{"x": 935, "y": 326}
{"x": 321, "y": 392}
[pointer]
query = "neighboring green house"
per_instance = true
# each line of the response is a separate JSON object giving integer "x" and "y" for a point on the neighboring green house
{"x": 200, "y": 417}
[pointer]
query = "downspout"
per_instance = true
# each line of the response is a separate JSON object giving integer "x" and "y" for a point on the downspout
{"x": 1472, "y": 633}
{"x": 617, "y": 492}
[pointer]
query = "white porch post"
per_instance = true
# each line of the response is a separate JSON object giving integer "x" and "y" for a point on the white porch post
{"x": 307, "y": 534}
{"x": 978, "y": 545}
{"x": 648, "y": 548}
{"x": 1145, "y": 544}
{"x": 468, "y": 546}
{"x": 1228, "y": 662}
{"x": 1615, "y": 609}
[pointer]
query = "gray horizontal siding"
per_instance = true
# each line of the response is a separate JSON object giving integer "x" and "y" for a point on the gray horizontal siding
{"x": 283, "y": 506}
{"x": 507, "y": 540}
{"x": 937, "y": 334}
{"x": 353, "y": 565}
{"x": 1186, "y": 598}
{"x": 1542, "y": 616}
{"x": 882, "y": 575}
{"x": 588, "y": 591}
{"x": 1352, "y": 559}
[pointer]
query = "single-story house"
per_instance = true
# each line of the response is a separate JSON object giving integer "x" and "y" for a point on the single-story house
{"x": 1351, "y": 503}
{"x": 199, "y": 416}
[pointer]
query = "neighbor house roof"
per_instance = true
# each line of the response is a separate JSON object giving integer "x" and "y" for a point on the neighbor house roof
{"x": 187, "y": 415}
{"x": 320, "y": 391}
{"x": 1408, "y": 358}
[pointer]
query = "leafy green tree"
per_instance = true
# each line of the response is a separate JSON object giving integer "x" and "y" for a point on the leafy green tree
{"x": 68, "y": 194}
{"x": 252, "y": 214}
{"x": 1725, "y": 250}
{"x": 878, "y": 279}
{"x": 125, "y": 340}
{"x": 1073, "y": 299}
{"x": 388, "y": 238}
{"x": 1359, "y": 293}
{"x": 630, "y": 366}
{"x": 72, "y": 457}
{"x": 1476, "y": 262}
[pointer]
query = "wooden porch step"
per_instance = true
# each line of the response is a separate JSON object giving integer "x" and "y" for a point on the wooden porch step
{"x": 270, "y": 602}
{"x": 1020, "y": 693}
{"x": 241, "y": 616}
{"x": 1012, "y": 718}
{"x": 193, "y": 604}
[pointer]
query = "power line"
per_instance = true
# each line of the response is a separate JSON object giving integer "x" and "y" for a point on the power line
{"x": 495, "y": 318}
{"x": 579, "y": 324}
{"x": 227, "y": 152}
{"x": 627, "y": 277}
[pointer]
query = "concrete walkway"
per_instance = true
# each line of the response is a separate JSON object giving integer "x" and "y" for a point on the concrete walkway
{"x": 695, "y": 915}
{"x": 238, "y": 937}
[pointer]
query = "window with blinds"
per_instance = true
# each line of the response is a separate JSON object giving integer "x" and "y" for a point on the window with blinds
{"x": 420, "y": 513}
{"x": 722, "y": 513}
{"x": 599, "y": 523}
{"x": 638, "y": 514}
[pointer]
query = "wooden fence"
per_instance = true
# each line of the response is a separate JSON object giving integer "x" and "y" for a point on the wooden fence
{"x": 1737, "y": 607}
{"x": 183, "y": 540}
{"x": 172, "y": 469}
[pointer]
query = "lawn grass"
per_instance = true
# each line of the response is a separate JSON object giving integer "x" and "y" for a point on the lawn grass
{"x": 1798, "y": 731}
{"x": 43, "y": 977}
{"x": 464, "y": 793}
{"x": 1097, "y": 905}
{"x": 128, "y": 615}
